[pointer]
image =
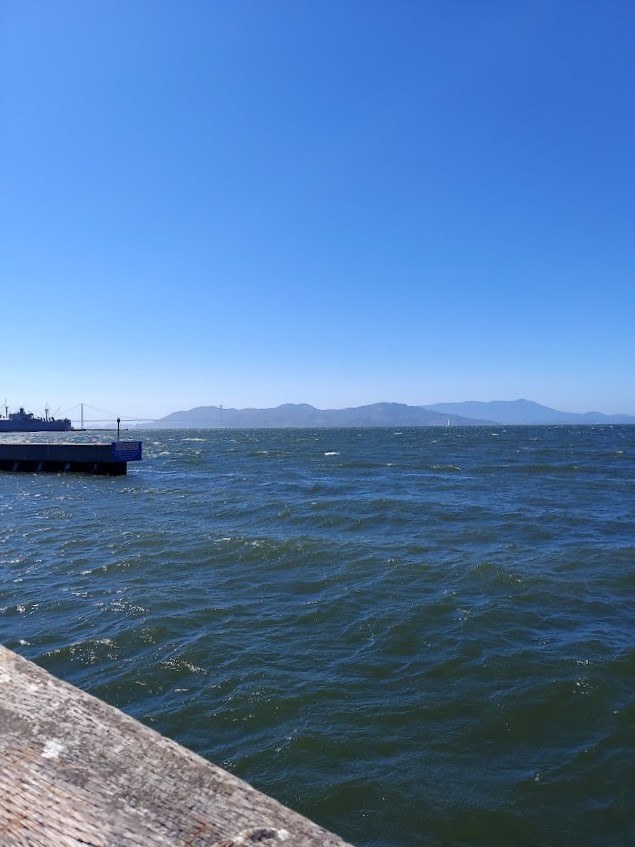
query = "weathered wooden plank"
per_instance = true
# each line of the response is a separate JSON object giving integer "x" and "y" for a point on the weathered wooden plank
{"x": 75, "y": 772}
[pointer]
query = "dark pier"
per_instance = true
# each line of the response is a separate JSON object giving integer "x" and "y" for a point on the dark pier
{"x": 78, "y": 773}
{"x": 108, "y": 459}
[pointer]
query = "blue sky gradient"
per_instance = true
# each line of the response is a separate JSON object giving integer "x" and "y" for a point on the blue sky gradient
{"x": 250, "y": 202}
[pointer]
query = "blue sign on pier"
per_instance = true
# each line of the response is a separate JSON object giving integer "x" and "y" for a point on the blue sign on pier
{"x": 126, "y": 451}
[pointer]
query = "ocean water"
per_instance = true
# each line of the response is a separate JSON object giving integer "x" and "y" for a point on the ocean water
{"x": 414, "y": 637}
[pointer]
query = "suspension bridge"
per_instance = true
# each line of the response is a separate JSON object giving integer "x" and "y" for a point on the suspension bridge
{"x": 82, "y": 417}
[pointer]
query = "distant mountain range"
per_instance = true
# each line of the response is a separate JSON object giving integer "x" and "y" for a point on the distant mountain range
{"x": 511, "y": 412}
{"x": 526, "y": 412}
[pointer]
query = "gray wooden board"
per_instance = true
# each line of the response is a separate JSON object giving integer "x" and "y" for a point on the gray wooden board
{"x": 77, "y": 772}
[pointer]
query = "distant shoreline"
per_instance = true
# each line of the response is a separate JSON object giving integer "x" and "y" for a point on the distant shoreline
{"x": 303, "y": 416}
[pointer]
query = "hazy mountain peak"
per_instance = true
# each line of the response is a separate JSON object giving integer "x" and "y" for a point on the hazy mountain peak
{"x": 469, "y": 413}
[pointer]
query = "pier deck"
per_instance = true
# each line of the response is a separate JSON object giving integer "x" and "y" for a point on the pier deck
{"x": 111, "y": 459}
{"x": 79, "y": 773}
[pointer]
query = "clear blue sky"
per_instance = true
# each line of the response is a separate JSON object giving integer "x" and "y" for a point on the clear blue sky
{"x": 338, "y": 202}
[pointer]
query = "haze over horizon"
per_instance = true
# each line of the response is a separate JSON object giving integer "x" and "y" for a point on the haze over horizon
{"x": 248, "y": 204}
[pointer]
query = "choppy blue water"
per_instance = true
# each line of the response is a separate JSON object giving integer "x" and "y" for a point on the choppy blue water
{"x": 416, "y": 637}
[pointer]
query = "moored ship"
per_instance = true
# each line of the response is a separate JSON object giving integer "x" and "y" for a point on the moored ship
{"x": 22, "y": 421}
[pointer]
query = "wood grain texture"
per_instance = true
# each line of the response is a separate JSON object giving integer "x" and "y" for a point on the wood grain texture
{"x": 75, "y": 772}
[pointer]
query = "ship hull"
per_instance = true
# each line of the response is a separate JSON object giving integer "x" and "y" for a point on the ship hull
{"x": 34, "y": 426}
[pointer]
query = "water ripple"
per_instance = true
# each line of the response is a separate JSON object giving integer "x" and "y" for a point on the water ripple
{"x": 417, "y": 638}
